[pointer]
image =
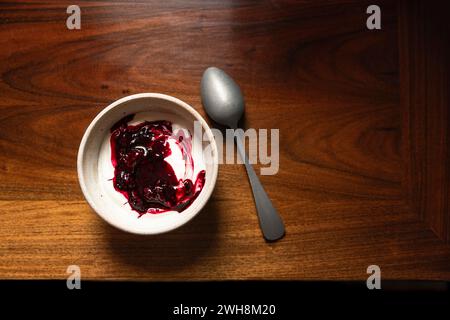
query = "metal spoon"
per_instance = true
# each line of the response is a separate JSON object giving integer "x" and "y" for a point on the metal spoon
{"x": 224, "y": 103}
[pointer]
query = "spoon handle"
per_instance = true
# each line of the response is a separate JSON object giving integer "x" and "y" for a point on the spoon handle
{"x": 269, "y": 220}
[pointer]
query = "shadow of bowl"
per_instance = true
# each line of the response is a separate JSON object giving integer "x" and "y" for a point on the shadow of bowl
{"x": 169, "y": 252}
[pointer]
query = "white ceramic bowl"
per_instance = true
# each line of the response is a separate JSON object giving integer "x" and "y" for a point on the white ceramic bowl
{"x": 95, "y": 168}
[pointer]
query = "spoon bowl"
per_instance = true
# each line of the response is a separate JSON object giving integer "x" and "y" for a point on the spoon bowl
{"x": 222, "y": 97}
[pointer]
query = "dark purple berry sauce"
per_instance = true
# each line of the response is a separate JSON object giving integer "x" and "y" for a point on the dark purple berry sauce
{"x": 141, "y": 172}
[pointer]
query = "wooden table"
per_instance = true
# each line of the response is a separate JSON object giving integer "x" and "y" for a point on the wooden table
{"x": 362, "y": 114}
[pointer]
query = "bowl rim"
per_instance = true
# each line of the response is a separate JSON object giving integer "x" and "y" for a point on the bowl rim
{"x": 88, "y": 131}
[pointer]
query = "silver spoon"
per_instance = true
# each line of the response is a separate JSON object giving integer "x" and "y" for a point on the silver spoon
{"x": 224, "y": 103}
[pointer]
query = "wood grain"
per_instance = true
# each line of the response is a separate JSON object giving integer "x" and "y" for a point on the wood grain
{"x": 310, "y": 69}
{"x": 425, "y": 83}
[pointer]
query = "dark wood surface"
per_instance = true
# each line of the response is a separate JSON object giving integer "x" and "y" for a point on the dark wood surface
{"x": 311, "y": 69}
{"x": 425, "y": 74}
